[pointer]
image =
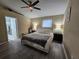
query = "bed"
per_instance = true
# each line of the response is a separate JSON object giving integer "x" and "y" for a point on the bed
{"x": 40, "y": 41}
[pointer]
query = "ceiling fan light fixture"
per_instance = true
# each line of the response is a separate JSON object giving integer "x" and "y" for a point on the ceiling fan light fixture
{"x": 31, "y": 9}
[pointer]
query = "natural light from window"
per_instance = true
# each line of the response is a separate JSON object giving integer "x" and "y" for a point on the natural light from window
{"x": 47, "y": 23}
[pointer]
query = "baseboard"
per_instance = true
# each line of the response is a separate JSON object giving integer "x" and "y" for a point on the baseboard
{"x": 64, "y": 51}
{"x": 67, "y": 52}
{"x": 4, "y": 43}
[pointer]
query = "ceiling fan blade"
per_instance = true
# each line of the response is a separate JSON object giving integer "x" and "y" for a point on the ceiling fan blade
{"x": 25, "y": 2}
{"x": 25, "y": 7}
{"x": 37, "y": 8}
{"x": 35, "y": 3}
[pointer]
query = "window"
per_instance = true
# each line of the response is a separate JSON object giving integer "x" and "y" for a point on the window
{"x": 47, "y": 23}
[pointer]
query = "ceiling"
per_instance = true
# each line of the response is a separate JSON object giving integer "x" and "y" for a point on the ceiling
{"x": 48, "y": 7}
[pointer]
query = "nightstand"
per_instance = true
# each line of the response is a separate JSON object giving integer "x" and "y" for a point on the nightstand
{"x": 58, "y": 37}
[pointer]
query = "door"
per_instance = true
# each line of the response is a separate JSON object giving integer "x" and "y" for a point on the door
{"x": 11, "y": 28}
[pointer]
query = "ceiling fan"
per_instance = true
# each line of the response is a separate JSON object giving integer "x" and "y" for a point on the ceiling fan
{"x": 31, "y": 5}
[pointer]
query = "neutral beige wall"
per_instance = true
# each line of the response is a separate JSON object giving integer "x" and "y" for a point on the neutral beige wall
{"x": 22, "y": 23}
{"x": 56, "y": 19}
{"x": 71, "y": 31}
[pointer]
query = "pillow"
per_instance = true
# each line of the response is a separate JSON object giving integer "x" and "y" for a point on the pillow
{"x": 44, "y": 31}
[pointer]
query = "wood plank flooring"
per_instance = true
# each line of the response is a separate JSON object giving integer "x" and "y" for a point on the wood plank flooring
{"x": 15, "y": 50}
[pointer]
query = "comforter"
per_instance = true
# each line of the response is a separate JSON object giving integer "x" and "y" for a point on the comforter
{"x": 37, "y": 38}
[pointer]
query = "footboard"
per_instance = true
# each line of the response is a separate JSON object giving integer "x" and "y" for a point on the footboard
{"x": 34, "y": 45}
{"x": 48, "y": 44}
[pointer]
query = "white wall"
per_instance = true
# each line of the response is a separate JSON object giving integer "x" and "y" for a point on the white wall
{"x": 71, "y": 31}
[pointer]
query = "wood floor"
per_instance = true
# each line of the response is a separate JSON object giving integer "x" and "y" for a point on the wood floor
{"x": 14, "y": 50}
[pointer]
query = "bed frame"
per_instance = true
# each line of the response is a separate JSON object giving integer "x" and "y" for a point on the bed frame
{"x": 39, "y": 47}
